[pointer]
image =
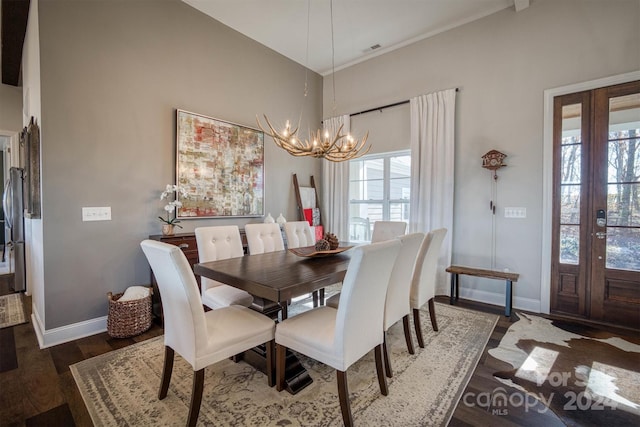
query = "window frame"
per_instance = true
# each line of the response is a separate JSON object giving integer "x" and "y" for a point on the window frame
{"x": 386, "y": 200}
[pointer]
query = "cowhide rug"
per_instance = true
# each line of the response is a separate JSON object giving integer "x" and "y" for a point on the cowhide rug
{"x": 587, "y": 376}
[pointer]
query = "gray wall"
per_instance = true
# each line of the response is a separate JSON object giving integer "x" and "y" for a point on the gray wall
{"x": 112, "y": 75}
{"x": 502, "y": 65}
{"x": 10, "y": 109}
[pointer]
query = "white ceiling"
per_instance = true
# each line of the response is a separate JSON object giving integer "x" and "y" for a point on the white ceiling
{"x": 358, "y": 24}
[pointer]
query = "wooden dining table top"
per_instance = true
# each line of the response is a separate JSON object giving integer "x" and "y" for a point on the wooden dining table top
{"x": 277, "y": 276}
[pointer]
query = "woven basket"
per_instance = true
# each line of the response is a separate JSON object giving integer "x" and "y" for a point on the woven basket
{"x": 128, "y": 318}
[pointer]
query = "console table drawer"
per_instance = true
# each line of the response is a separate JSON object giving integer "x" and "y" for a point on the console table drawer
{"x": 186, "y": 243}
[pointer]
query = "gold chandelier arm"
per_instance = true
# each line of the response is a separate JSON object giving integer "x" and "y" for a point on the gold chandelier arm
{"x": 337, "y": 149}
{"x": 278, "y": 138}
{"x": 338, "y": 154}
{"x": 328, "y": 147}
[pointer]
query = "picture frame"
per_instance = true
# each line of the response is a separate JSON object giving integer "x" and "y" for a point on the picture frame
{"x": 30, "y": 161}
{"x": 220, "y": 165}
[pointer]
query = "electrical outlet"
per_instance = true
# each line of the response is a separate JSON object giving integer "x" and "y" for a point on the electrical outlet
{"x": 96, "y": 214}
{"x": 515, "y": 213}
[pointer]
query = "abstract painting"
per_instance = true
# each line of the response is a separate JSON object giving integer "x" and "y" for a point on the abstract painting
{"x": 221, "y": 166}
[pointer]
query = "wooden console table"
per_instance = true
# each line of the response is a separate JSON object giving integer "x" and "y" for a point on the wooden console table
{"x": 509, "y": 277}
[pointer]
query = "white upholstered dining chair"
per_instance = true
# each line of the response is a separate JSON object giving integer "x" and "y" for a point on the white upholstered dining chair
{"x": 382, "y": 230}
{"x": 340, "y": 337}
{"x": 423, "y": 283}
{"x": 299, "y": 234}
{"x": 396, "y": 305}
{"x": 216, "y": 243}
{"x": 387, "y": 230}
{"x": 263, "y": 238}
{"x": 201, "y": 338}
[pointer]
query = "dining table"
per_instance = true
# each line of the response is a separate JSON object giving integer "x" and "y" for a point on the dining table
{"x": 274, "y": 279}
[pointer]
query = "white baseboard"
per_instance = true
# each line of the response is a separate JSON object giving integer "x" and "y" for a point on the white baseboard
{"x": 51, "y": 337}
{"x": 527, "y": 304}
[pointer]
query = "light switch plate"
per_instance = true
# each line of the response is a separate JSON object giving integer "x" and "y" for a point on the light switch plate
{"x": 96, "y": 213}
{"x": 515, "y": 212}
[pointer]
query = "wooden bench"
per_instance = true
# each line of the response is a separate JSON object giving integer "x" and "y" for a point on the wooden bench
{"x": 509, "y": 277}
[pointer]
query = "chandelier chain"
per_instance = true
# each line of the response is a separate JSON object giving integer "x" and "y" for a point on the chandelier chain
{"x": 333, "y": 61}
{"x": 337, "y": 148}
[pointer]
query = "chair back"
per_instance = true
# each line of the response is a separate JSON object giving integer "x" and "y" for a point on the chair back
{"x": 184, "y": 321}
{"x": 263, "y": 238}
{"x": 360, "y": 316}
{"x": 215, "y": 243}
{"x": 387, "y": 230}
{"x": 399, "y": 290}
{"x": 423, "y": 283}
{"x": 299, "y": 234}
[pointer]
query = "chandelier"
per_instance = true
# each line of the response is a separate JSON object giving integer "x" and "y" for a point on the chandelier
{"x": 336, "y": 147}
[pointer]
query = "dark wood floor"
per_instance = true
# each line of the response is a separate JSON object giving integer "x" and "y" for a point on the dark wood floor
{"x": 37, "y": 388}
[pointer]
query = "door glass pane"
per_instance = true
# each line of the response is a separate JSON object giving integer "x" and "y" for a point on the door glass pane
{"x": 623, "y": 189}
{"x": 623, "y": 247}
{"x": 570, "y": 204}
{"x": 571, "y": 156}
{"x": 622, "y": 205}
{"x": 570, "y": 180}
{"x": 569, "y": 244}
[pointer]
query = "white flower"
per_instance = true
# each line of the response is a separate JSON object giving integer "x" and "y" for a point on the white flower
{"x": 171, "y": 192}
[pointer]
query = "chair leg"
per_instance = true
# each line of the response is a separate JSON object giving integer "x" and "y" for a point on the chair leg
{"x": 321, "y": 302}
{"x": 166, "y": 372}
{"x": 281, "y": 356}
{"x": 343, "y": 394}
{"x": 385, "y": 353}
{"x": 196, "y": 397}
{"x": 432, "y": 315}
{"x": 315, "y": 298}
{"x": 271, "y": 363}
{"x": 418, "y": 328}
{"x": 407, "y": 334}
{"x": 382, "y": 379}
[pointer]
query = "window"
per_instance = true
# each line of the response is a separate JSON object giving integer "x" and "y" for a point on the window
{"x": 379, "y": 188}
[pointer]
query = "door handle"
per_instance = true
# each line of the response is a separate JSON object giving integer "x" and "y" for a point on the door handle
{"x": 601, "y": 218}
{"x": 601, "y": 234}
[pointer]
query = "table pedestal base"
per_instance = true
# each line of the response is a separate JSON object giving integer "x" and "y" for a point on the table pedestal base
{"x": 296, "y": 376}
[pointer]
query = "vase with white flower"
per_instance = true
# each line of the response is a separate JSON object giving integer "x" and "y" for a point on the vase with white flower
{"x": 171, "y": 195}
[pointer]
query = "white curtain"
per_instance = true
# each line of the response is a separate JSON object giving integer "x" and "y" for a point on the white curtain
{"x": 335, "y": 186}
{"x": 432, "y": 162}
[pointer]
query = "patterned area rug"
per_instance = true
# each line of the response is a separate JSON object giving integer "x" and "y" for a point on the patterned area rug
{"x": 11, "y": 310}
{"x": 120, "y": 388}
{"x": 587, "y": 376}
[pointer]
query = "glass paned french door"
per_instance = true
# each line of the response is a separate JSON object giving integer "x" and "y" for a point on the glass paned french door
{"x": 596, "y": 209}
